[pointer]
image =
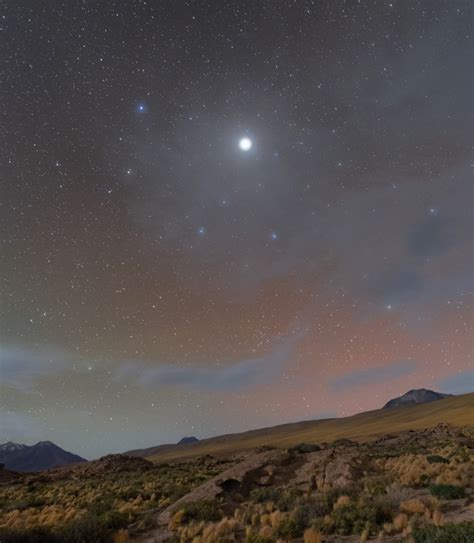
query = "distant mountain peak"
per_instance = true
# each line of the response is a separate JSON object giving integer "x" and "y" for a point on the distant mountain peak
{"x": 185, "y": 440}
{"x": 415, "y": 396}
{"x": 10, "y": 446}
{"x": 43, "y": 455}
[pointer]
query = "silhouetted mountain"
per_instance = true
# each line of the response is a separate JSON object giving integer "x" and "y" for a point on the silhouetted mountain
{"x": 43, "y": 455}
{"x": 185, "y": 440}
{"x": 421, "y": 395}
{"x": 11, "y": 448}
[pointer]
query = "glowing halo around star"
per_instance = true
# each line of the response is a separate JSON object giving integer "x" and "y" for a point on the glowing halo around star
{"x": 245, "y": 144}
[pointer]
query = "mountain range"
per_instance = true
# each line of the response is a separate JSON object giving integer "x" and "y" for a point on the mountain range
{"x": 44, "y": 455}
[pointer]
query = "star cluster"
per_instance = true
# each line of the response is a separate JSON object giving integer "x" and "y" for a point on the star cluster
{"x": 224, "y": 215}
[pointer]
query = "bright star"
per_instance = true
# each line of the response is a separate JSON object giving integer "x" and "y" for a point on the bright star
{"x": 245, "y": 144}
{"x": 201, "y": 231}
{"x": 274, "y": 236}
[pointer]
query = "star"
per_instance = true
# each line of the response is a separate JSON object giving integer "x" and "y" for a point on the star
{"x": 245, "y": 144}
{"x": 273, "y": 236}
{"x": 201, "y": 231}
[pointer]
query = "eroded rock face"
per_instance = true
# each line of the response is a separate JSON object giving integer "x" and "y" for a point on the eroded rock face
{"x": 421, "y": 438}
{"x": 330, "y": 468}
{"x": 112, "y": 463}
{"x": 342, "y": 471}
{"x": 235, "y": 482}
{"x": 337, "y": 465}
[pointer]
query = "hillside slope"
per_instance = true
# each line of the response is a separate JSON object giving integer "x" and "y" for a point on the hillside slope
{"x": 456, "y": 410}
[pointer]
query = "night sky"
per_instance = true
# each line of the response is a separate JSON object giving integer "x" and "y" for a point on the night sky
{"x": 223, "y": 215}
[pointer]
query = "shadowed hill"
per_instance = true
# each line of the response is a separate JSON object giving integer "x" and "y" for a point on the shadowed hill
{"x": 421, "y": 395}
{"x": 456, "y": 410}
{"x": 43, "y": 455}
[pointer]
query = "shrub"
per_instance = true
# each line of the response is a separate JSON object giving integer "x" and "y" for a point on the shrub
{"x": 100, "y": 505}
{"x": 347, "y": 520}
{"x": 447, "y": 492}
{"x": 206, "y": 511}
{"x": 309, "y": 510}
{"x": 283, "y": 499}
{"x": 87, "y": 529}
{"x": 436, "y": 459}
{"x": 288, "y": 529}
{"x": 148, "y": 521}
{"x": 450, "y": 533}
{"x": 353, "y": 519}
{"x": 114, "y": 520}
{"x": 412, "y": 506}
{"x": 265, "y": 494}
{"x": 129, "y": 494}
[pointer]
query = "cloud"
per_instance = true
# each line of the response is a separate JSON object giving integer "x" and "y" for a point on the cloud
{"x": 22, "y": 366}
{"x": 378, "y": 374}
{"x": 20, "y": 427}
{"x": 429, "y": 237}
{"x": 19, "y": 366}
{"x": 242, "y": 374}
{"x": 458, "y": 383}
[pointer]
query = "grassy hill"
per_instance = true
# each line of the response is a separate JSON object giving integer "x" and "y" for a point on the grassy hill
{"x": 456, "y": 410}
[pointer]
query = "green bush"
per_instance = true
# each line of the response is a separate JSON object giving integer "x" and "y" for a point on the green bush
{"x": 309, "y": 510}
{"x": 436, "y": 459}
{"x": 283, "y": 499}
{"x": 206, "y": 511}
{"x": 450, "y": 533}
{"x": 447, "y": 492}
{"x": 265, "y": 494}
{"x": 348, "y": 520}
{"x": 114, "y": 520}
{"x": 288, "y": 529}
{"x": 353, "y": 519}
{"x": 101, "y": 505}
{"x": 129, "y": 494}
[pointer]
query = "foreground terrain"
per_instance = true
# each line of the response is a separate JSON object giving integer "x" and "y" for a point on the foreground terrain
{"x": 413, "y": 485}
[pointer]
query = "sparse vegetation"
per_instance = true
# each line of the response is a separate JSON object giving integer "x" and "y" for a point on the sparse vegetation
{"x": 451, "y": 533}
{"x": 437, "y": 459}
{"x": 447, "y": 492}
{"x": 206, "y": 511}
{"x": 357, "y": 493}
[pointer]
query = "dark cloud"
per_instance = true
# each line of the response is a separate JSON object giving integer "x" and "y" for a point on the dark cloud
{"x": 430, "y": 237}
{"x": 373, "y": 375}
{"x": 234, "y": 377}
{"x": 461, "y": 382}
